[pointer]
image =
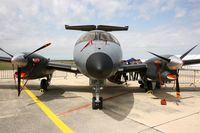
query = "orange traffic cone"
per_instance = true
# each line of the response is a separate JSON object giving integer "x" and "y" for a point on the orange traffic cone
{"x": 163, "y": 102}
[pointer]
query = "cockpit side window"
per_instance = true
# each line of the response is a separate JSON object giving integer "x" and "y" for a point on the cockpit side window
{"x": 87, "y": 37}
{"x": 104, "y": 36}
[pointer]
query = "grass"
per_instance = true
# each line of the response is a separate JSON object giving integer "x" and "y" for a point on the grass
{"x": 5, "y": 66}
{"x": 8, "y": 66}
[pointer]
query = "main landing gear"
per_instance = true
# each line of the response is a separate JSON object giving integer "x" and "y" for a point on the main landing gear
{"x": 44, "y": 84}
{"x": 97, "y": 100}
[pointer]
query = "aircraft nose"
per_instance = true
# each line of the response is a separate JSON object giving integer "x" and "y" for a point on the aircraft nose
{"x": 99, "y": 65}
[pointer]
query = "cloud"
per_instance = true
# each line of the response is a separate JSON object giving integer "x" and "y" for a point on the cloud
{"x": 163, "y": 40}
{"x": 180, "y": 13}
{"x": 148, "y": 8}
{"x": 26, "y": 25}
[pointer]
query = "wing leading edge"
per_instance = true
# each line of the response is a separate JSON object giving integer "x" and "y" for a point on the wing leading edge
{"x": 63, "y": 67}
{"x": 5, "y": 59}
{"x": 191, "y": 62}
{"x": 132, "y": 68}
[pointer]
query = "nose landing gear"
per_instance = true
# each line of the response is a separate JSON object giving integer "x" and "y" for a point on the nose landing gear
{"x": 97, "y": 100}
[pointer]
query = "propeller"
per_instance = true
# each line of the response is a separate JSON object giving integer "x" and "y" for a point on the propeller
{"x": 20, "y": 60}
{"x": 175, "y": 63}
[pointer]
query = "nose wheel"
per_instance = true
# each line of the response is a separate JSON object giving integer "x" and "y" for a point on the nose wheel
{"x": 97, "y": 101}
{"x": 97, "y": 104}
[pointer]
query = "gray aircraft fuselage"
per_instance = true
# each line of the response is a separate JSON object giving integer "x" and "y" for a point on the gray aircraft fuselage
{"x": 97, "y": 54}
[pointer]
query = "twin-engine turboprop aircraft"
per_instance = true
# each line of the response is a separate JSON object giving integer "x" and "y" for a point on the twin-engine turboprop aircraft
{"x": 98, "y": 55}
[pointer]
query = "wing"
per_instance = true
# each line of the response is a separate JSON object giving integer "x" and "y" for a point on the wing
{"x": 63, "y": 67}
{"x": 5, "y": 59}
{"x": 191, "y": 62}
{"x": 132, "y": 68}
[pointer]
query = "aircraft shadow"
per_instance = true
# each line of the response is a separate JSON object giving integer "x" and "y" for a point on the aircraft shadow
{"x": 119, "y": 105}
{"x": 115, "y": 105}
{"x": 164, "y": 93}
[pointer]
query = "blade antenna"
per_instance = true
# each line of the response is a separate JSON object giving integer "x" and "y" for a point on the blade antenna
{"x": 6, "y": 52}
{"x": 186, "y": 53}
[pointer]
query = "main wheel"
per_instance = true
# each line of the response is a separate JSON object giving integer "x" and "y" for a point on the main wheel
{"x": 149, "y": 86}
{"x": 101, "y": 103}
{"x": 142, "y": 86}
{"x": 158, "y": 85}
{"x": 44, "y": 84}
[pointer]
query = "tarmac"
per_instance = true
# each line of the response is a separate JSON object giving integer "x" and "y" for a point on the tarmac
{"x": 127, "y": 109}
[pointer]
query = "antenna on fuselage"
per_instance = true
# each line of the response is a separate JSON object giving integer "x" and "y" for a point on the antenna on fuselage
{"x": 107, "y": 28}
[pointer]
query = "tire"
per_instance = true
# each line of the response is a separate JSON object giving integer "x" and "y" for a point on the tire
{"x": 158, "y": 85}
{"x": 149, "y": 85}
{"x": 44, "y": 84}
{"x": 142, "y": 86}
{"x": 94, "y": 106}
{"x": 101, "y": 103}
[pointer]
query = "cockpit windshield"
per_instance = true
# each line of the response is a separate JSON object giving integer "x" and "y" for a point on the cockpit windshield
{"x": 97, "y": 35}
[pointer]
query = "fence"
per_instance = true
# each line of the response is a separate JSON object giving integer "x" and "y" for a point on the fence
{"x": 9, "y": 74}
{"x": 188, "y": 75}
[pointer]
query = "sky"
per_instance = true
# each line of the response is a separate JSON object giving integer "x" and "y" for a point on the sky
{"x": 160, "y": 26}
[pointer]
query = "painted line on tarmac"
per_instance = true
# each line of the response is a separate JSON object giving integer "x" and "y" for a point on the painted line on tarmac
{"x": 87, "y": 105}
{"x": 59, "y": 123}
{"x": 74, "y": 109}
{"x": 116, "y": 96}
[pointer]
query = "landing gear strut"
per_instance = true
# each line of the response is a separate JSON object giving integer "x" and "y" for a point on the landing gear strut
{"x": 149, "y": 87}
{"x": 44, "y": 84}
{"x": 97, "y": 101}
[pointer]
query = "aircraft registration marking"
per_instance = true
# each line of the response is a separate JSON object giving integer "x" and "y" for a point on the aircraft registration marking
{"x": 59, "y": 123}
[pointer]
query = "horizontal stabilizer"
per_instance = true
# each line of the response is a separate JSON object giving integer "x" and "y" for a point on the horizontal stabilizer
{"x": 94, "y": 27}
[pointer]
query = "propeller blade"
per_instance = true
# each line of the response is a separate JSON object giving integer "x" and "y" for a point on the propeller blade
{"x": 177, "y": 85}
{"x": 6, "y": 52}
{"x": 186, "y": 53}
{"x": 19, "y": 80}
{"x": 44, "y": 46}
{"x": 164, "y": 58}
{"x": 14, "y": 77}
